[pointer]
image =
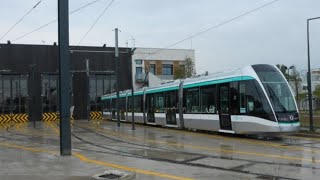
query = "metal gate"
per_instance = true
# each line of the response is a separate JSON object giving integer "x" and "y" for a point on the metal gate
{"x": 13, "y": 98}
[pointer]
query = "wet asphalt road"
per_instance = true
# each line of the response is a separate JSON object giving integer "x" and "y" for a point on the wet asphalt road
{"x": 153, "y": 153}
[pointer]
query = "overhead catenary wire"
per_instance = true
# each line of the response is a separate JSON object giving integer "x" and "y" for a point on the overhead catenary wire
{"x": 214, "y": 27}
{"x": 96, "y": 21}
{"x": 11, "y": 28}
{"x": 47, "y": 24}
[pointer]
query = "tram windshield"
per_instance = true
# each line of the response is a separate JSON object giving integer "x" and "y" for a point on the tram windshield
{"x": 276, "y": 88}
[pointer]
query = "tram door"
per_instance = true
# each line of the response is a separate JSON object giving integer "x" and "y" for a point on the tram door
{"x": 224, "y": 112}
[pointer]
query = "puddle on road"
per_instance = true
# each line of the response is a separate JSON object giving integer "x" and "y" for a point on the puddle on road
{"x": 166, "y": 155}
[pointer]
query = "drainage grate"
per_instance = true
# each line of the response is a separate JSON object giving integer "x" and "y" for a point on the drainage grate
{"x": 110, "y": 176}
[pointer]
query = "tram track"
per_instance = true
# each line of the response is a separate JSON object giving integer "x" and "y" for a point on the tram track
{"x": 239, "y": 139}
{"x": 252, "y": 140}
{"x": 212, "y": 156}
{"x": 191, "y": 161}
{"x": 227, "y": 158}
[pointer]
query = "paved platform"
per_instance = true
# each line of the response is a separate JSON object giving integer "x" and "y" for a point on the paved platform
{"x": 29, "y": 152}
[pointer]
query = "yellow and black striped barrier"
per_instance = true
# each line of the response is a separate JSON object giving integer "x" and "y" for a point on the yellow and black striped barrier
{"x": 5, "y": 118}
{"x": 20, "y": 118}
{"x": 52, "y": 116}
{"x": 95, "y": 115}
{"x": 15, "y": 118}
{"x": 23, "y": 118}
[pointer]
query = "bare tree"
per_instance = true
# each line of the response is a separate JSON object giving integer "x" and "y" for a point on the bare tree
{"x": 283, "y": 69}
{"x": 296, "y": 79}
{"x": 186, "y": 70}
{"x": 189, "y": 66}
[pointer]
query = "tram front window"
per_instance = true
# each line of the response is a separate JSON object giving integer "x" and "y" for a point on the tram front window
{"x": 278, "y": 91}
{"x": 281, "y": 97}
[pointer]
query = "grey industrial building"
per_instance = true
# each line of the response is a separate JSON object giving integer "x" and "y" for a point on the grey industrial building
{"x": 29, "y": 78}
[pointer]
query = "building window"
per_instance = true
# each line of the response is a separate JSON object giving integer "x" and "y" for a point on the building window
{"x": 138, "y": 70}
{"x": 138, "y": 61}
{"x": 153, "y": 68}
{"x": 167, "y": 69}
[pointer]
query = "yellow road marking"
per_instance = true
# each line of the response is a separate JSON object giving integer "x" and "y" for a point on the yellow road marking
{"x": 88, "y": 160}
{"x": 54, "y": 127}
{"x": 152, "y": 173}
{"x": 212, "y": 149}
{"x": 34, "y": 132}
{"x": 28, "y": 148}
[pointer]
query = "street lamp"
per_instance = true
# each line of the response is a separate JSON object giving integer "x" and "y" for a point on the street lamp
{"x": 309, "y": 76}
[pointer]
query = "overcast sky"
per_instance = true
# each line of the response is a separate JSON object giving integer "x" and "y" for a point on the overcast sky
{"x": 275, "y": 34}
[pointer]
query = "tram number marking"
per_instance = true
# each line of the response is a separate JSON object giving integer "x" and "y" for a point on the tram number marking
{"x": 238, "y": 118}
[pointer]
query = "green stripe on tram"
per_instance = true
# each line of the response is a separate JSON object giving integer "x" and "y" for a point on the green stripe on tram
{"x": 286, "y": 123}
{"x": 135, "y": 93}
{"x": 162, "y": 89}
{"x": 219, "y": 81}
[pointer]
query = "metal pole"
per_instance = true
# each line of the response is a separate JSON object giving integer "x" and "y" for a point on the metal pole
{"x": 117, "y": 76}
{"x": 33, "y": 96}
{"x": 309, "y": 81}
{"x": 88, "y": 89}
{"x": 64, "y": 77}
{"x": 132, "y": 91}
{"x": 309, "y": 76}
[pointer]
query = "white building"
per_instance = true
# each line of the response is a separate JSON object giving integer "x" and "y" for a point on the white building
{"x": 315, "y": 79}
{"x": 152, "y": 66}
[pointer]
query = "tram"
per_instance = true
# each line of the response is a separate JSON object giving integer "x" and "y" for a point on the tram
{"x": 255, "y": 99}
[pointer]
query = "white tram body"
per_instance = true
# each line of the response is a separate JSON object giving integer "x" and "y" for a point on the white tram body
{"x": 255, "y": 99}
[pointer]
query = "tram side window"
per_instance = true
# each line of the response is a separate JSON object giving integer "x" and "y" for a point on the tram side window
{"x": 242, "y": 102}
{"x": 122, "y": 104}
{"x": 113, "y": 104}
{"x": 159, "y": 102}
{"x": 208, "y": 100}
{"x": 138, "y": 103}
{"x": 192, "y": 100}
{"x": 257, "y": 104}
{"x": 150, "y": 103}
{"x": 234, "y": 100}
{"x": 171, "y": 99}
{"x": 106, "y": 105}
{"x": 129, "y": 104}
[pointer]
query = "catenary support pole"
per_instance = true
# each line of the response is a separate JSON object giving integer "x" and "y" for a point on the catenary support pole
{"x": 132, "y": 91}
{"x": 310, "y": 97}
{"x": 88, "y": 89}
{"x": 117, "y": 75}
{"x": 309, "y": 81}
{"x": 64, "y": 77}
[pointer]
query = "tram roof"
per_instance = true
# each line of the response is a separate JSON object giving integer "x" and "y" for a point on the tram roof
{"x": 239, "y": 74}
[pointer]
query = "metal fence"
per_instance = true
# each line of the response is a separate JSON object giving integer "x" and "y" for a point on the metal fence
{"x": 305, "y": 120}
